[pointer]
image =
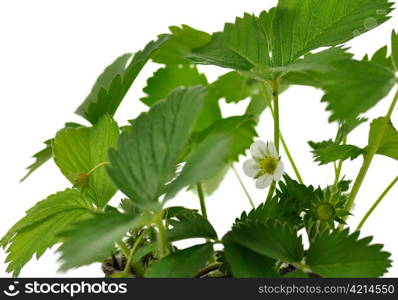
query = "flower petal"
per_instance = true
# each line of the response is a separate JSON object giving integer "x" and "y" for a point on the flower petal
{"x": 263, "y": 181}
{"x": 258, "y": 150}
{"x": 279, "y": 171}
{"x": 251, "y": 168}
{"x": 271, "y": 150}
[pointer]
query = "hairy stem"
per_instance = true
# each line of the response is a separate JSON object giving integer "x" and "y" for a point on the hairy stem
{"x": 201, "y": 200}
{"x": 374, "y": 206}
{"x": 164, "y": 250}
{"x": 137, "y": 242}
{"x": 243, "y": 187}
{"x": 370, "y": 154}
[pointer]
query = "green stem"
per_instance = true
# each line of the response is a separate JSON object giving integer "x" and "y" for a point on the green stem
{"x": 275, "y": 94}
{"x": 97, "y": 167}
{"x": 369, "y": 156}
{"x": 207, "y": 270}
{"x": 284, "y": 144}
{"x": 243, "y": 187}
{"x": 339, "y": 167}
{"x": 202, "y": 200}
{"x": 275, "y": 114}
{"x": 374, "y": 206}
{"x": 290, "y": 157}
{"x": 123, "y": 247}
{"x": 137, "y": 242}
{"x": 164, "y": 250}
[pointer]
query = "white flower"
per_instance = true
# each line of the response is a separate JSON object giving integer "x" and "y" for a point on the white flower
{"x": 265, "y": 166}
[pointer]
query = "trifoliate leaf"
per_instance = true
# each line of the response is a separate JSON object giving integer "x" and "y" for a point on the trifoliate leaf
{"x": 170, "y": 77}
{"x": 303, "y": 25}
{"x": 389, "y": 142}
{"x": 245, "y": 263}
{"x": 93, "y": 239}
{"x": 279, "y": 37}
{"x": 146, "y": 158}
{"x": 270, "y": 238}
{"x": 328, "y": 151}
{"x": 340, "y": 254}
{"x": 182, "y": 40}
{"x": 110, "y": 92}
{"x": 46, "y": 153}
{"x": 190, "y": 225}
{"x": 182, "y": 263}
{"x": 394, "y": 50}
{"x": 38, "y": 230}
{"x": 354, "y": 87}
{"x": 81, "y": 154}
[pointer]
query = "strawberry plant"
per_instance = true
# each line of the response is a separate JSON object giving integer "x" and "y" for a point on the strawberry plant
{"x": 183, "y": 142}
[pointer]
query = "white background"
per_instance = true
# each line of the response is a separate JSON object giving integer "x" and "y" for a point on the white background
{"x": 50, "y": 55}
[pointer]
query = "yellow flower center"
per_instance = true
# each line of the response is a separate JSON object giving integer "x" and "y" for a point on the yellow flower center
{"x": 268, "y": 165}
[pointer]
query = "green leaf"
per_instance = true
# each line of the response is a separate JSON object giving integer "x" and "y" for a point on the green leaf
{"x": 347, "y": 127}
{"x": 327, "y": 151}
{"x": 166, "y": 79}
{"x": 189, "y": 225}
{"x": 354, "y": 87}
{"x": 234, "y": 87}
{"x": 303, "y": 25}
{"x": 294, "y": 28}
{"x": 240, "y": 46}
{"x": 211, "y": 155}
{"x": 287, "y": 206}
{"x": 182, "y": 263}
{"x": 45, "y": 154}
{"x": 389, "y": 143}
{"x": 38, "y": 230}
{"x": 182, "y": 40}
{"x": 170, "y": 77}
{"x": 104, "y": 81}
{"x": 340, "y": 254}
{"x": 108, "y": 92}
{"x": 41, "y": 158}
{"x": 245, "y": 263}
{"x": 146, "y": 158}
{"x": 241, "y": 129}
{"x": 270, "y": 238}
{"x": 93, "y": 239}
{"x": 80, "y": 154}
{"x": 394, "y": 50}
